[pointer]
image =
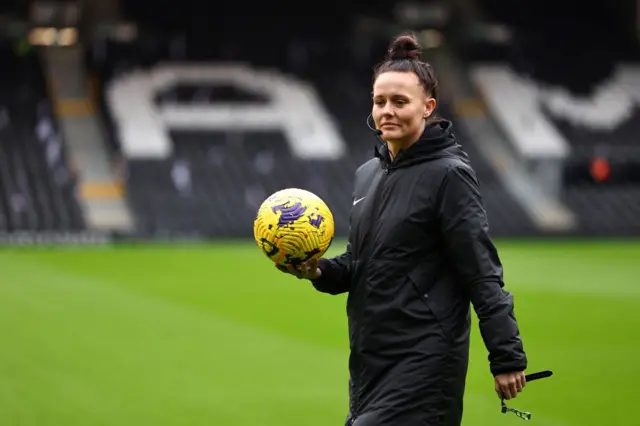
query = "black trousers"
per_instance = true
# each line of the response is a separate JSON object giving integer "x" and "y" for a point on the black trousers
{"x": 451, "y": 417}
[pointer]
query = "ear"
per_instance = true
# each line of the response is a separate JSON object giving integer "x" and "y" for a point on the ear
{"x": 429, "y": 106}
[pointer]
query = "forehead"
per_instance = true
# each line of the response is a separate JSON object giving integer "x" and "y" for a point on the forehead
{"x": 397, "y": 83}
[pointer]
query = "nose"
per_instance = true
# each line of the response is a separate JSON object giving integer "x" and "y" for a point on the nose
{"x": 387, "y": 110}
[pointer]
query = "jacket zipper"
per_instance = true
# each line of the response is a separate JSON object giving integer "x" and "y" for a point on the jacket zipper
{"x": 356, "y": 403}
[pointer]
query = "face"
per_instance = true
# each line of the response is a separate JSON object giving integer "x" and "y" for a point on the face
{"x": 400, "y": 106}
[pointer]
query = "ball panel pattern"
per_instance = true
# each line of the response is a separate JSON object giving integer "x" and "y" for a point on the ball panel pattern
{"x": 293, "y": 226}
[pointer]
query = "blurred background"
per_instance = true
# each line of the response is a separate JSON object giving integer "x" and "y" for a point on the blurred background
{"x": 138, "y": 138}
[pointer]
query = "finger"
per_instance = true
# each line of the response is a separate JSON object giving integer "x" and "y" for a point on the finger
{"x": 523, "y": 379}
{"x": 303, "y": 270}
{"x": 513, "y": 388}
{"x": 505, "y": 391}
{"x": 313, "y": 268}
{"x": 292, "y": 270}
{"x": 521, "y": 382}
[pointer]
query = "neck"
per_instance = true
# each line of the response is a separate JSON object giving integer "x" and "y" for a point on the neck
{"x": 395, "y": 146}
{"x": 394, "y": 149}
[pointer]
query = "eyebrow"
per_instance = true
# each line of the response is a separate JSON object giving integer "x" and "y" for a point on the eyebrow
{"x": 393, "y": 95}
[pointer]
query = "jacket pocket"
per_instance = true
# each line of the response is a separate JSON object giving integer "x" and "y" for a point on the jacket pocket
{"x": 424, "y": 280}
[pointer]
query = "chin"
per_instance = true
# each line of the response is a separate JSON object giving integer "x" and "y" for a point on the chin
{"x": 392, "y": 135}
{"x": 391, "y": 131}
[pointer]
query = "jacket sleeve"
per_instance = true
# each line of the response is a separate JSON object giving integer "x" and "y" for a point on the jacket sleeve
{"x": 465, "y": 231}
{"x": 336, "y": 274}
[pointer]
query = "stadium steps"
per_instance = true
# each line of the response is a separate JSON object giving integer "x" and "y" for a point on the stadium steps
{"x": 102, "y": 197}
{"x": 546, "y": 210}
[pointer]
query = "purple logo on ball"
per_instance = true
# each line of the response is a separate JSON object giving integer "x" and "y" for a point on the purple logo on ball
{"x": 289, "y": 213}
{"x": 315, "y": 220}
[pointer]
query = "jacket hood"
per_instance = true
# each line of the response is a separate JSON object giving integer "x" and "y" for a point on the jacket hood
{"x": 437, "y": 141}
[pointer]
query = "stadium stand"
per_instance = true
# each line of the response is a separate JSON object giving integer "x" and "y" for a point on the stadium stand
{"x": 571, "y": 93}
{"x": 210, "y": 179}
{"x": 202, "y": 150}
{"x": 37, "y": 188}
{"x": 506, "y": 216}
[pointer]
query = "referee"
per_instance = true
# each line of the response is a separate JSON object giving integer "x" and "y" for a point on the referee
{"x": 419, "y": 255}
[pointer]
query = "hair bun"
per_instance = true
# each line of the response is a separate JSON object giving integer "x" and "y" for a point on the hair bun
{"x": 404, "y": 46}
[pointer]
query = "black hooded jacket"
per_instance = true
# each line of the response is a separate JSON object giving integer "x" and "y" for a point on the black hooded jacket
{"x": 419, "y": 255}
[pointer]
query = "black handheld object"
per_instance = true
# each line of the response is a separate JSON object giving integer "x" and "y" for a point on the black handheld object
{"x": 528, "y": 378}
{"x": 539, "y": 375}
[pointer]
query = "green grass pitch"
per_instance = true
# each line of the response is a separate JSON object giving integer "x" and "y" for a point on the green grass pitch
{"x": 215, "y": 335}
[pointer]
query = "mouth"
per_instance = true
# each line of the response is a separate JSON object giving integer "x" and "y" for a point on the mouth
{"x": 388, "y": 126}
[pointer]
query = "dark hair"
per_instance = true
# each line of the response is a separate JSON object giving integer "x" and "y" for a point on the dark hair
{"x": 404, "y": 55}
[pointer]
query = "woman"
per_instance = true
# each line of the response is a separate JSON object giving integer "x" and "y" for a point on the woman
{"x": 419, "y": 254}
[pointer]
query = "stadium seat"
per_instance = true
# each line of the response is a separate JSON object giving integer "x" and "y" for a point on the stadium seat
{"x": 575, "y": 83}
{"x": 209, "y": 179}
{"x": 37, "y": 189}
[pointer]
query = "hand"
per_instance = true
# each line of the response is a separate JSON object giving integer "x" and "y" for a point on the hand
{"x": 308, "y": 270}
{"x": 510, "y": 384}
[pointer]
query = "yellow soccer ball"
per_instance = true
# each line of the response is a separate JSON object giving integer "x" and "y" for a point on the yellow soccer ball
{"x": 293, "y": 226}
